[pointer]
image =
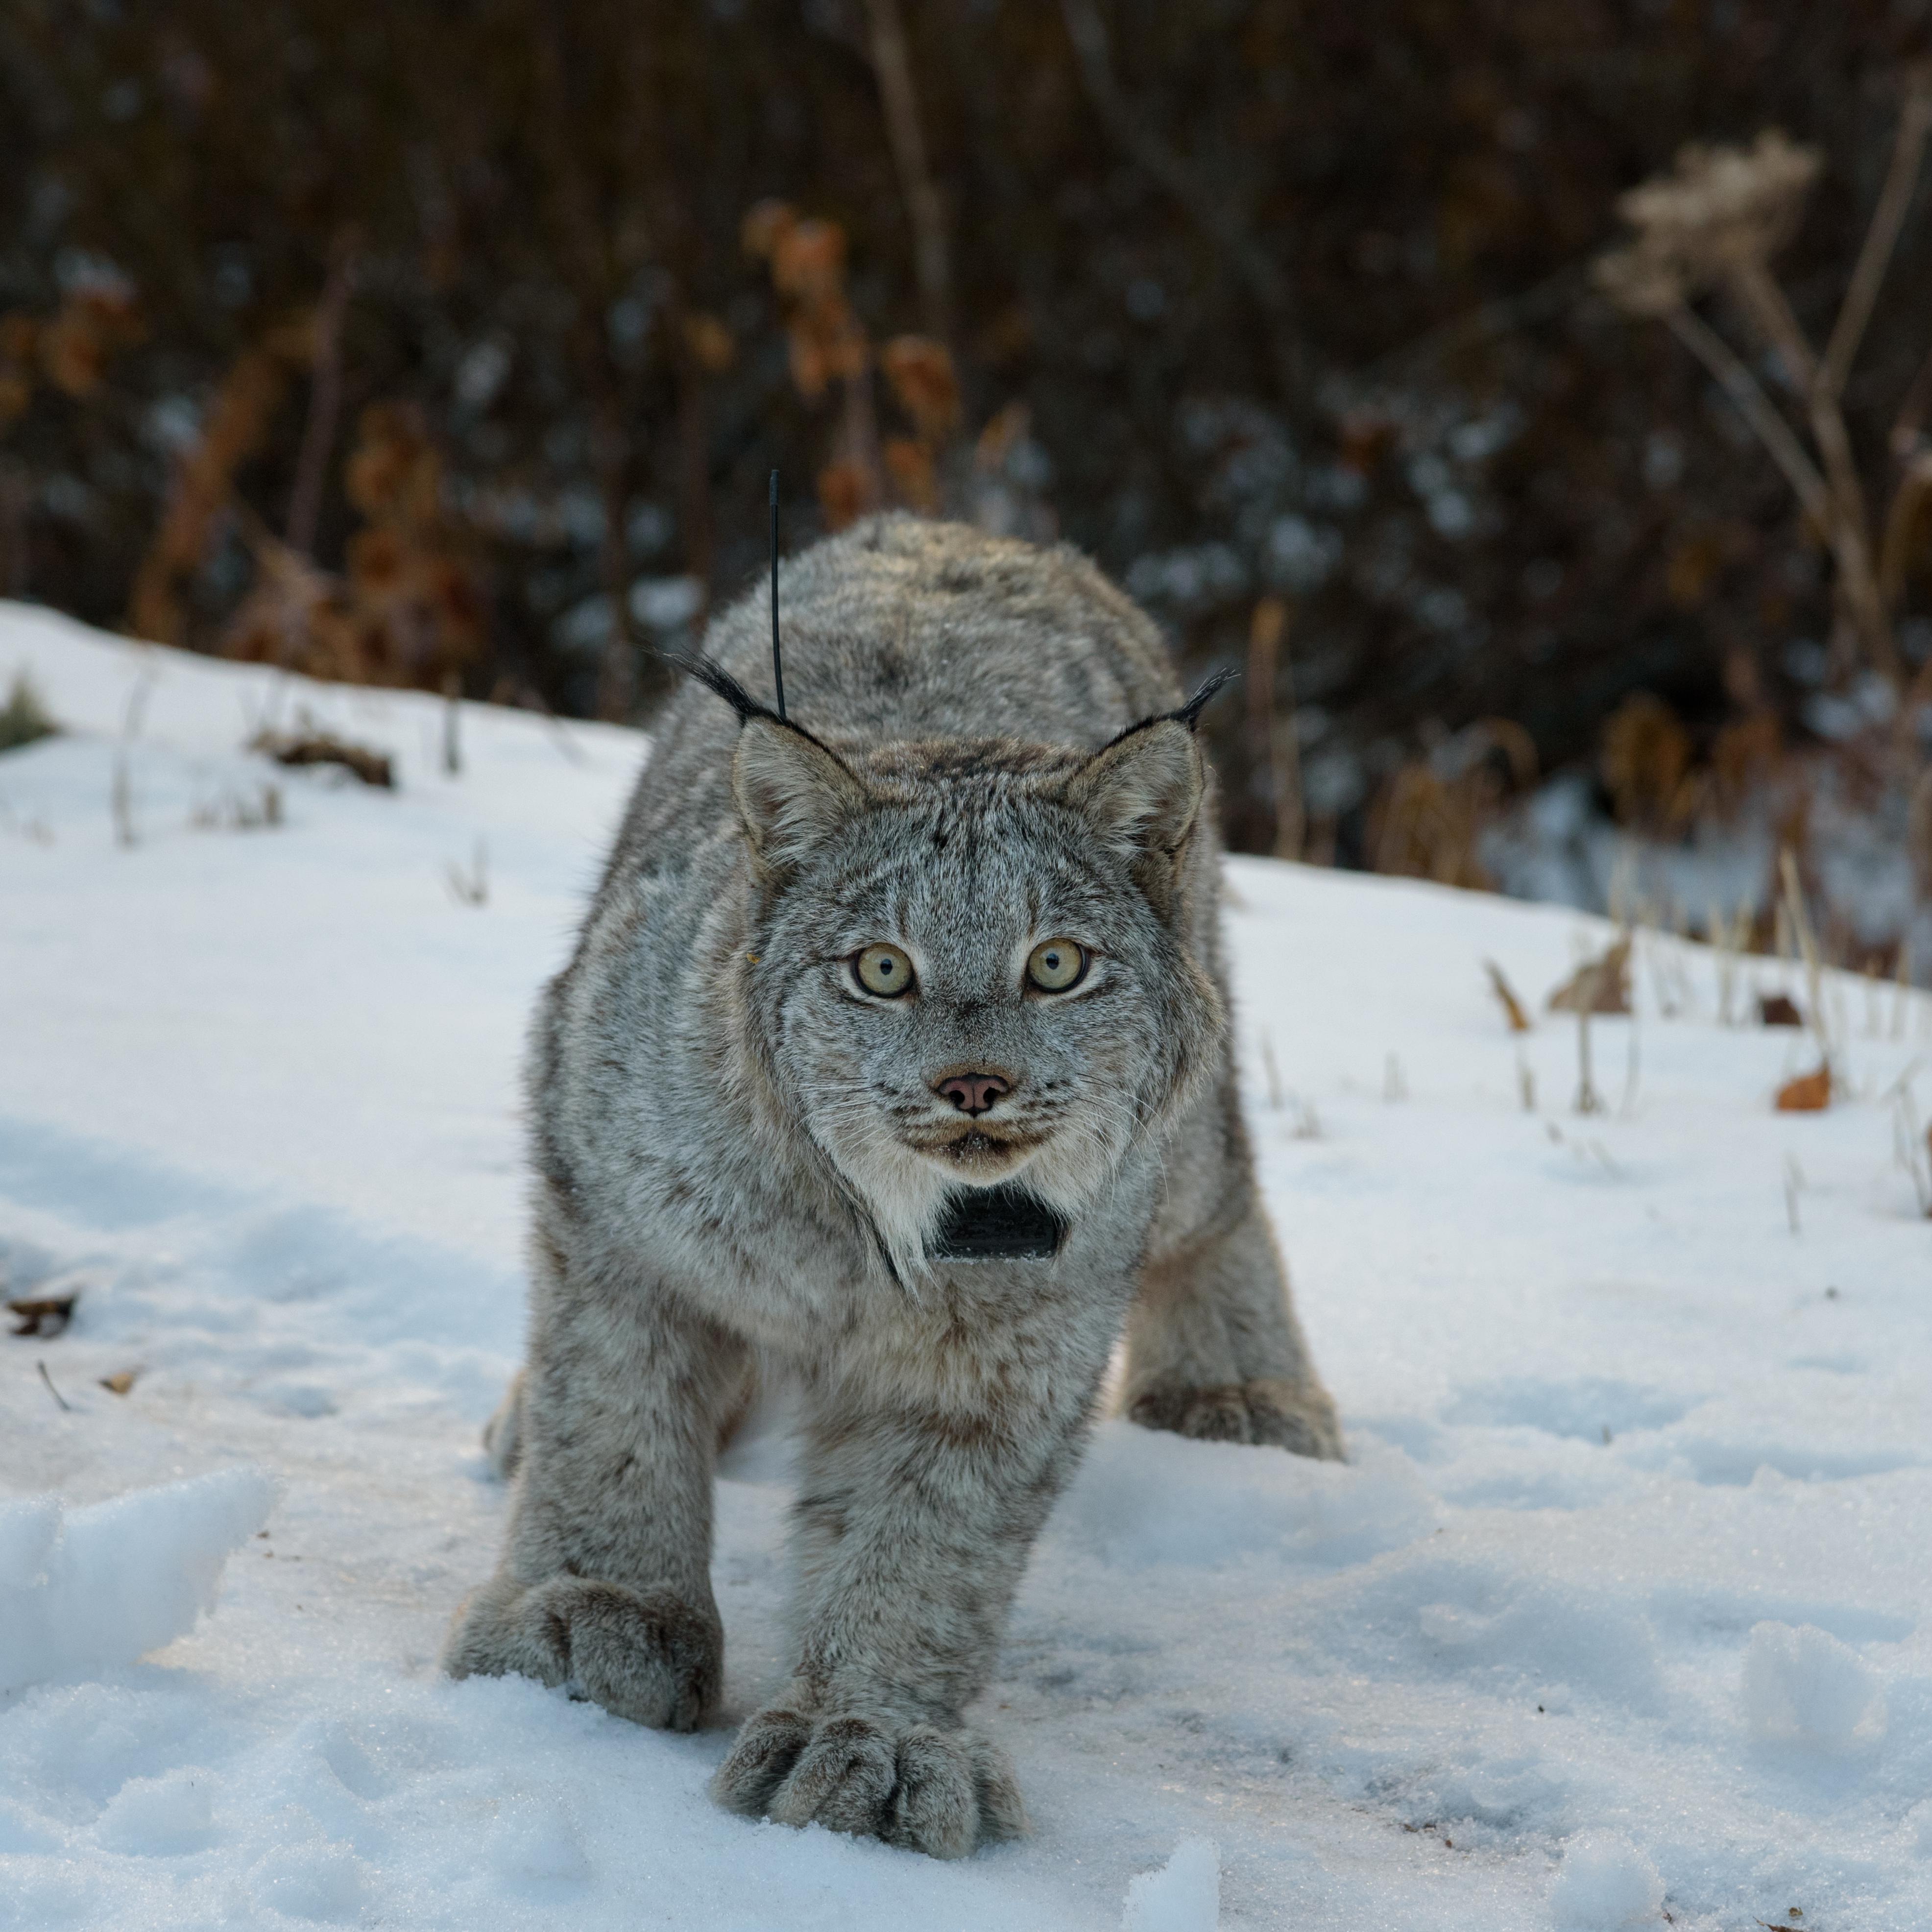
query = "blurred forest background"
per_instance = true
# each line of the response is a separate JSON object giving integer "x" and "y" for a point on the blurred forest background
{"x": 450, "y": 345}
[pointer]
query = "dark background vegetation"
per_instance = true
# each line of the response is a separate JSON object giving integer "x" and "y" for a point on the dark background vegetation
{"x": 1250, "y": 298}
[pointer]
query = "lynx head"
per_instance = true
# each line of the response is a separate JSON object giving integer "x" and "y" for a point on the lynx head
{"x": 972, "y": 966}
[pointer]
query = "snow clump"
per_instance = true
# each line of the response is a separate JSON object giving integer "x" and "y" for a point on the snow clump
{"x": 1184, "y": 1896}
{"x": 1802, "y": 1685}
{"x": 1604, "y": 1884}
{"x": 85, "y": 1590}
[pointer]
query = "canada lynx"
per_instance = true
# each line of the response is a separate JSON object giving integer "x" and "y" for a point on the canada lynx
{"x": 895, "y": 1050}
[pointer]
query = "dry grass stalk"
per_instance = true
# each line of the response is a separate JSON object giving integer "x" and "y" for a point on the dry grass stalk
{"x": 1514, "y": 1015}
{"x": 1275, "y": 725}
{"x": 1807, "y": 943}
{"x": 893, "y": 63}
{"x": 234, "y": 428}
{"x": 1911, "y": 1143}
{"x": 1428, "y": 823}
{"x": 1716, "y": 221}
{"x": 1918, "y": 833}
{"x": 234, "y": 812}
{"x": 470, "y": 888}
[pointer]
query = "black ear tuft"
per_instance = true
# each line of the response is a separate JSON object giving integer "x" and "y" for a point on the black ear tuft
{"x": 712, "y": 675}
{"x": 1189, "y": 713}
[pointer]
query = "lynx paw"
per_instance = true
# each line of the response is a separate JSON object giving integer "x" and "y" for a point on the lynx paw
{"x": 941, "y": 1792}
{"x": 1297, "y": 1416}
{"x": 643, "y": 1655}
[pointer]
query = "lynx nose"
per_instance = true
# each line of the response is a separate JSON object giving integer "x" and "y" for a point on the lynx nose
{"x": 974, "y": 1092}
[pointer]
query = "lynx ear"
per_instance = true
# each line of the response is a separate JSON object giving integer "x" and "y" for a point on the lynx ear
{"x": 790, "y": 791}
{"x": 1142, "y": 793}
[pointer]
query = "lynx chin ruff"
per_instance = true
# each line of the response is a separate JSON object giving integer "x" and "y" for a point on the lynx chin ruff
{"x": 894, "y": 1053}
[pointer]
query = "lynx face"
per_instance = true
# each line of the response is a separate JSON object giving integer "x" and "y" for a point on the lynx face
{"x": 969, "y": 970}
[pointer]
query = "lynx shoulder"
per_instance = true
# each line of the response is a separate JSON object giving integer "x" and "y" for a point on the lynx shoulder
{"x": 894, "y": 1051}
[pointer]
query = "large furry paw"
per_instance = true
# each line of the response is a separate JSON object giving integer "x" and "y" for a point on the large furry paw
{"x": 913, "y": 1784}
{"x": 643, "y": 1655}
{"x": 1297, "y": 1416}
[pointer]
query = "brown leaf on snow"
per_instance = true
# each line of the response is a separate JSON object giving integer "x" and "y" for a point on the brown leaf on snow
{"x": 1512, "y": 1012}
{"x": 1778, "y": 1009}
{"x": 44, "y": 1315}
{"x": 311, "y": 747}
{"x": 1809, "y": 1094}
{"x": 121, "y": 1380}
{"x": 1600, "y": 986}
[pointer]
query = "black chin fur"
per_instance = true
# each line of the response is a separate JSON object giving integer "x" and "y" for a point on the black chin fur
{"x": 1002, "y": 1223}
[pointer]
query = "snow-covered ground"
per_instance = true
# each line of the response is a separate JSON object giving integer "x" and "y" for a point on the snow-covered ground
{"x": 1619, "y": 1613}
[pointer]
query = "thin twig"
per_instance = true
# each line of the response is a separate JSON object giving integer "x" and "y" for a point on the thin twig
{"x": 1209, "y": 205}
{"x": 325, "y": 403}
{"x": 1747, "y": 394}
{"x": 66, "y": 1405}
{"x": 893, "y": 64}
{"x": 1908, "y": 149}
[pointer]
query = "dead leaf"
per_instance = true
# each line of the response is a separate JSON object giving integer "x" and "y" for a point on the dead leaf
{"x": 44, "y": 1315}
{"x": 323, "y": 747}
{"x": 1512, "y": 1012}
{"x": 121, "y": 1380}
{"x": 1778, "y": 1009}
{"x": 1809, "y": 1094}
{"x": 1600, "y": 986}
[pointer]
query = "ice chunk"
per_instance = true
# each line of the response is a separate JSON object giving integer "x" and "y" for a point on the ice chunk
{"x": 1184, "y": 1896}
{"x": 1604, "y": 1883}
{"x": 1801, "y": 1684}
{"x": 87, "y": 1590}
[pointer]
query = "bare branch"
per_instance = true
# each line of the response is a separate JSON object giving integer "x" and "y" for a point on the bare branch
{"x": 1910, "y": 426}
{"x": 1755, "y": 407}
{"x": 1267, "y": 285}
{"x": 893, "y": 63}
{"x": 1915, "y": 123}
{"x": 1751, "y": 280}
{"x": 325, "y": 403}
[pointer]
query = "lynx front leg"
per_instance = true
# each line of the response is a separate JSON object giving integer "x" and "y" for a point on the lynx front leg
{"x": 913, "y": 1527}
{"x": 1213, "y": 1347}
{"x": 605, "y": 1580}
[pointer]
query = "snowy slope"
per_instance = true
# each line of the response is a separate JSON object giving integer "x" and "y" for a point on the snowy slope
{"x": 1619, "y": 1611}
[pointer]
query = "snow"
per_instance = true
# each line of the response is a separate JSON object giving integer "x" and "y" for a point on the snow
{"x": 1184, "y": 1896}
{"x": 84, "y": 1591}
{"x": 1605, "y": 1883}
{"x": 1618, "y": 1609}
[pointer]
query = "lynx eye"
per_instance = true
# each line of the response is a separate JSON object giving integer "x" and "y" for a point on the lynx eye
{"x": 1056, "y": 964}
{"x": 883, "y": 970}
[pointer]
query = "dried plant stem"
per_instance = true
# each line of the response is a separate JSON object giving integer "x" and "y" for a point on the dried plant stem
{"x": 1210, "y": 208}
{"x": 931, "y": 260}
{"x": 1747, "y": 394}
{"x": 66, "y": 1407}
{"x": 1808, "y": 946}
{"x": 1908, "y": 149}
{"x": 325, "y": 404}
{"x": 1273, "y": 1071}
{"x": 1587, "y": 1100}
{"x": 1276, "y": 724}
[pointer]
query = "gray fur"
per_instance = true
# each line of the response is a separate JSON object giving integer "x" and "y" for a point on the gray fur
{"x": 739, "y": 1154}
